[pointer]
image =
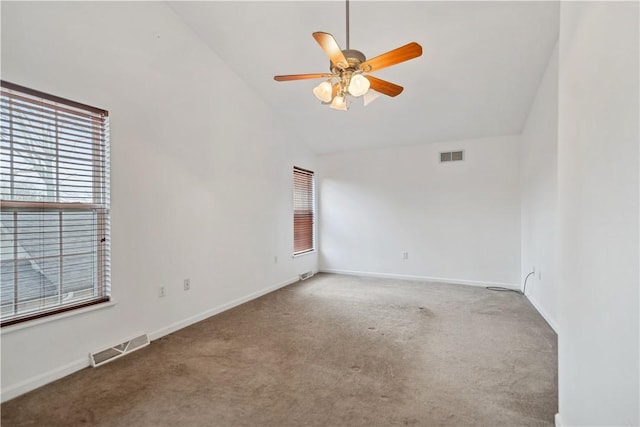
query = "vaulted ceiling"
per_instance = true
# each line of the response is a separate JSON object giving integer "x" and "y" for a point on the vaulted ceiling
{"x": 482, "y": 63}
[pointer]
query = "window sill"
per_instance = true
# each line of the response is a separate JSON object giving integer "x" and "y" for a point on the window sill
{"x": 303, "y": 254}
{"x": 35, "y": 322}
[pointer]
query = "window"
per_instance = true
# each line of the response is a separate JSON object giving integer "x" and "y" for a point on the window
{"x": 303, "y": 211}
{"x": 54, "y": 205}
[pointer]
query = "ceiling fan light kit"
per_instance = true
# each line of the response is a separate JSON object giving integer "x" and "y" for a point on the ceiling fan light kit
{"x": 339, "y": 103}
{"x": 359, "y": 85}
{"x": 369, "y": 97}
{"x": 324, "y": 91}
{"x": 348, "y": 68}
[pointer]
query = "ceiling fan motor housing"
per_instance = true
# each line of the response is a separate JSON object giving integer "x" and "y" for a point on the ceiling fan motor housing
{"x": 354, "y": 59}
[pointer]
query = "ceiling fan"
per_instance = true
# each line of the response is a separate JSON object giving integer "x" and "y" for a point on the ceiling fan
{"x": 349, "y": 71}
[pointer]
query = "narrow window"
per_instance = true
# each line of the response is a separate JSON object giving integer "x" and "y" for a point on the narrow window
{"x": 303, "y": 211}
{"x": 54, "y": 205}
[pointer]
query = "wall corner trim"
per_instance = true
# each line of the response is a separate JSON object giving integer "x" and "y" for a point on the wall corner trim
{"x": 544, "y": 314}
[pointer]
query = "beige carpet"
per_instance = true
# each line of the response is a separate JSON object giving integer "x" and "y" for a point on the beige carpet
{"x": 330, "y": 351}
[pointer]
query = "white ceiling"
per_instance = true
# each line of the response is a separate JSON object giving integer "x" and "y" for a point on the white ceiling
{"x": 480, "y": 69}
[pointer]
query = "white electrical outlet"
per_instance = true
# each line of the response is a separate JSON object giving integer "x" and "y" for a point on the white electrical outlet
{"x": 162, "y": 292}
{"x": 405, "y": 255}
{"x": 187, "y": 284}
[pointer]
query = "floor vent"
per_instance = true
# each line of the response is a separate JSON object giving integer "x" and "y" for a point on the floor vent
{"x": 306, "y": 275}
{"x": 112, "y": 353}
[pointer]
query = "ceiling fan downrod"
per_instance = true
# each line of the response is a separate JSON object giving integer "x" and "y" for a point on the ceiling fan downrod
{"x": 347, "y": 5}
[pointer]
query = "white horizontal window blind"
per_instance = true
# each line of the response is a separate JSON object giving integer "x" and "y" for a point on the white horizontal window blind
{"x": 54, "y": 205}
{"x": 303, "y": 210}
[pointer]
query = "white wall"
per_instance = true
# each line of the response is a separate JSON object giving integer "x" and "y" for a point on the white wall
{"x": 598, "y": 133}
{"x": 459, "y": 222}
{"x": 538, "y": 192}
{"x": 201, "y": 175}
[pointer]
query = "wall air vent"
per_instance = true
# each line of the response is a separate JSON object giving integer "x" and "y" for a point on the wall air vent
{"x": 452, "y": 156}
{"x": 306, "y": 275}
{"x": 112, "y": 353}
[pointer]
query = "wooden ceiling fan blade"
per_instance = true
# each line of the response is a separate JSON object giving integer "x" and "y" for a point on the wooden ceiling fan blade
{"x": 331, "y": 49}
{"x": 290, "y": 77}
{"x": 383, "y": 86}
{"x": 393, "y": 57}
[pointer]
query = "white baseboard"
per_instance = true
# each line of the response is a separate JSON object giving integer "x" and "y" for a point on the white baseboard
{"x": 558, "y": 420}
{"x": 216, "y": 310}
{"x": 42, "y": 379}
{"x": 543, "y": 313}
{"x": 32, "y": 383}
{"x": 420, "y": 278}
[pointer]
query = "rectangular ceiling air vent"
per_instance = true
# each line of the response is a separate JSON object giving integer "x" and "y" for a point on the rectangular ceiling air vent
{"x": 452, "y": 156}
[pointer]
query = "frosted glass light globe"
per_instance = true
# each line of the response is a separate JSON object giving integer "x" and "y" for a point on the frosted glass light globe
{"x": 359, "y": 85}
{"x": 323, "y": 91}
{"x": 339, "y": 103}
{"x": 370, "y": 96}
